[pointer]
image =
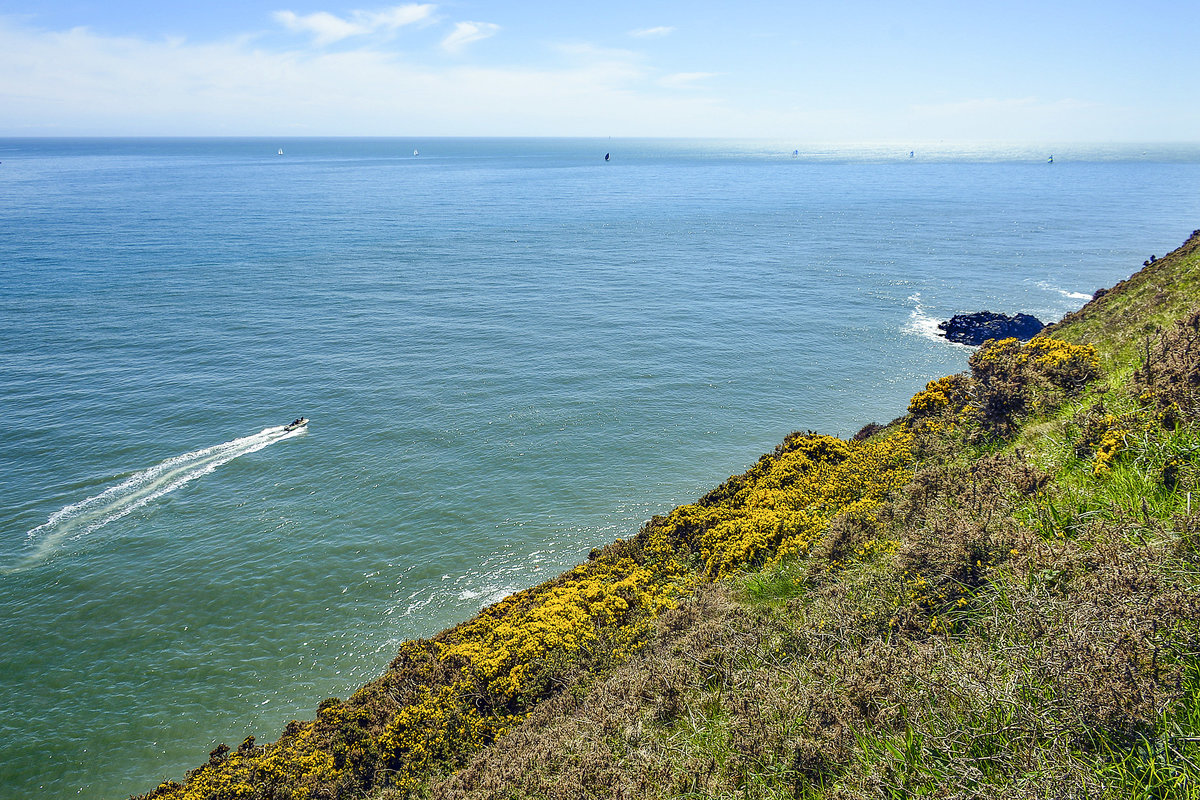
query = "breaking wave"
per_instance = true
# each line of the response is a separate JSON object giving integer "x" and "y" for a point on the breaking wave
{"x": 1064, "y": 292}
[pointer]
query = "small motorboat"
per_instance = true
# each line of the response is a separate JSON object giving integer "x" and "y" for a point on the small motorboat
{"x": 298, "y": 422}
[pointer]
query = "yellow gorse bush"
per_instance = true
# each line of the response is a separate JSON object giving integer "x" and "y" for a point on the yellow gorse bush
{"x": 300, "y": 761}
{"x": 610, "y": 596}
{"x": 942, "y": 394}
{"x": 1065, "y": 366}
{"x": 1056, "y": 353}
{"x": 439, "y": 727}
{"x": 788, "y": 500}
{"x": 1009, "y": 379}
{"x": 1111, "y": 443}
{"x": 941, "y": 406}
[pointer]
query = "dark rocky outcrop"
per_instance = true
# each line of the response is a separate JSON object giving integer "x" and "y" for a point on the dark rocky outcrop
{"x": 975, "y": 329}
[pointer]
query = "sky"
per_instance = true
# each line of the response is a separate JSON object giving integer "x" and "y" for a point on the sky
{"x": 827, "y": 71}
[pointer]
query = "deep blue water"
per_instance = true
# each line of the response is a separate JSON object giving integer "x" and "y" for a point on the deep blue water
{"x": 510, "y": 350}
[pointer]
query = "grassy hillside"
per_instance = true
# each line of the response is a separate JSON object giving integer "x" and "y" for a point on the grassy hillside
{"x": 997, "y": 595}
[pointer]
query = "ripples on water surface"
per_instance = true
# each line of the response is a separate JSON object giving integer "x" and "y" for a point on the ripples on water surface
{"x": 511, "y": 352}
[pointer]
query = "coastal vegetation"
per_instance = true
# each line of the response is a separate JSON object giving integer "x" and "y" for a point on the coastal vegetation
{"x": 997, "y": 594}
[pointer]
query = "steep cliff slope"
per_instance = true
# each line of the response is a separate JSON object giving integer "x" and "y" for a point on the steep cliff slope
{"x": 997, "y": 595}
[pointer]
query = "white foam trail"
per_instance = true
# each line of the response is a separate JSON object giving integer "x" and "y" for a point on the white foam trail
{"x": 1064, "y": 292}
{"x": 79, "y": 519}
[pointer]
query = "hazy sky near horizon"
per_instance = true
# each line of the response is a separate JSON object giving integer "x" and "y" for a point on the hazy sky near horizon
{"x": 804, "y": 71}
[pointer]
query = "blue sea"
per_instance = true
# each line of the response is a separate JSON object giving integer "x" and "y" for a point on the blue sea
{"x": 511, "y": 350}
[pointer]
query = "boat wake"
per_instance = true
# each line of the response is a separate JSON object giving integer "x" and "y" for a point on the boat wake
{"x": 79, "y": 519}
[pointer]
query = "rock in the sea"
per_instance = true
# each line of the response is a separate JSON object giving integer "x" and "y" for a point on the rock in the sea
{"x": 977, "y": 328}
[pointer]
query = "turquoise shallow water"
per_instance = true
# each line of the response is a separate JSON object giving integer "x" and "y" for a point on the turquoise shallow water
{"x": 510, "y": 351}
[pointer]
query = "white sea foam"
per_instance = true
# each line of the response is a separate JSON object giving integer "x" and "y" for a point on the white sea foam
{"x": 139, "y": 489}
{"x": 497, "y": 593}
{"x": 922, "y": 324}
{"x": 1064, "y": 292}
{"x": 919, "y": 323}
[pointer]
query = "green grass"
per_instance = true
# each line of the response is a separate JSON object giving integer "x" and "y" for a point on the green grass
{"x": 1164, "y": 763}
{"x": 776, "y": 585}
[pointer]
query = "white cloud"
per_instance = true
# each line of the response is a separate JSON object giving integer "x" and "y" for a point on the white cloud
{"x": 587, "y": 52}
{"x": 465, "y": 33}
{"x": 80, "y": 83}
{"x": 327, "y": 28}
{"x": 399, "y": 16}
{"x": 649, "y": 33}
{"x": 684, "y": 80}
